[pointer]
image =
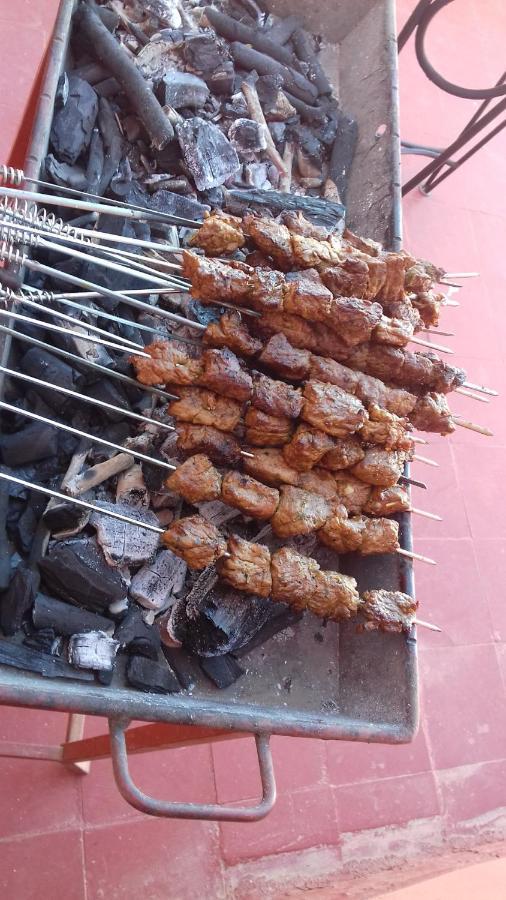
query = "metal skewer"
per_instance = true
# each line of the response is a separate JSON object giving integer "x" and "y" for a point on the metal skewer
{"x": 440, "y": 333}
{"x": 460, "y": 275}
{"x": 405, "y": 480}
{"x": 410, "y": 554}
{"x": 467, "y": 393}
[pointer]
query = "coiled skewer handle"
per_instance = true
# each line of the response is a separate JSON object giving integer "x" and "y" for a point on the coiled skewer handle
{"x": 12, "y": 176}
{"x": 28, "y": 213}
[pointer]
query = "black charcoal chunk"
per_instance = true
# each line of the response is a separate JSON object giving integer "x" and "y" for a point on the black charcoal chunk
{"x": 63, "y": 517}
{"x": 73, "y": 123}
{"x": 316, "y": 209}
{"x": 64, "y": 175}
{"x": 204, "y": 51}
{"x": 205, "y": 314}
{"x": 247, "y": 136}
{"x": 281, "y": 617}
{"x": 343, "y": 153}
{"x": 77, "y": 571}
{"x": 222, "y": 670}
{"x": 66, "y": 619}
{"x": 21, "y": 657}
{"x": 184, "y": 89}
{"x": 31, "y": 444}
{"x": 41, "y": 364}
{"x": 208, "y": 154}
{"x": 45, "y": 640}
{"x": 109, "y": 392}
{"x": 151, "y": 677}
{"x": 178, "y": 205}
{"x": 132, "y": 630}
{"x": 121, "y": 542}
{"x": 183, "y": 664}
{"x": 95, "y": 164}
{"x": 18, "y": 599}
{"x": 93, "y": 650}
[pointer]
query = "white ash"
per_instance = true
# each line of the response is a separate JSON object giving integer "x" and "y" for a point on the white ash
{"x": 156, "y": 585}
{"x": 93, "y": 650}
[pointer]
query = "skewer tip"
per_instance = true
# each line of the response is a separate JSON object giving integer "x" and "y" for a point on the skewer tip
{"x": 428, "y": 625}
{"x": 410, "y": 554}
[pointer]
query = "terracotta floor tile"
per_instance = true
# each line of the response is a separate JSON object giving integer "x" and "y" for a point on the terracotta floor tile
{"x": 298, "y": 763}
{"x": 442, "y": 496}
{"x": 352, "y": 763}
{"x": 303, "y": 819}
{"x": 500, "y": 650}
{"x": 471, "y": 791}
{"x": 464, "y": 704}
{"x": 184, "y": 774}
{"x": 37, "y": 796}
{"x": 451, "y": 594}
{"x": 484, "y": 489}
{"x": 156, "y": 859}
{"x": 491, "y": 559}
{"x": 42, "y": 867}
{"x": 391, "y": 801}
{"x": 32, "y": 725}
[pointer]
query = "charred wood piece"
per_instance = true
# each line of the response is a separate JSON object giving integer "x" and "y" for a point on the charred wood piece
{"x": 341, "y": 159}
{"x": 208, "y": 154}
{"x": 73, "y": 123}
{"x": 222, "y": 670}
{"x": 77, "y": 571}
{"x": 233, "y": 30}
{"x": 18, "y": 598}
{"x": 122, "y": 543}
{"x": 323, "y": 212}
{"x": 304, "y": 44}
{"x": 66, "y": 619}
{"x": 20, "y": 657}
{"x": 136, "y": 637}
{"x": 183, "y": 89}
{"x": 249, "y": 59}
{"x": 150, "y": 676}
{"x": 156, "y": 585}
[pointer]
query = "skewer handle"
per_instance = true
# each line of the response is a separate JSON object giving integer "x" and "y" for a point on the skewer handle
{"x": 425, "y": 514}
{"x": 410, "y": 554}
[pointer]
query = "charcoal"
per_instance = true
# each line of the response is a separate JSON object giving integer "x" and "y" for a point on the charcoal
{"x": 25, "y": 529}
{"x": 109, "y": 392}
{"x": 122, "y": 543}
{"x": 184, "y": 665}
{"x": 112, "y": 143}
{"x": 77, "y": 571}
{"x": 151, "y": 677}
{"x": 114, "y": 281}
{"x": 64, "y": 518}
{"x": 260, "y": 40}
{"x": 256, "y": 176}
{"x": 184, "y": 89}
{"x": 41, "y": 364}
{"x": 107, "y": 88}
{"x": 343, "y": 152}
{"x": 223, "y": 81}
{"x": 95, "y": 164}
{"x": 236, "y": 107}
{"x": 177, "y": 205}
{"x": 249, "y": 59}
{"x": 92, "y": 72}
{"x": 18, "y": 599}
{"x": 34, "y": 442}
{"x": 5, "y": 568}
{"x": 317, "y": 210}
{"x": 105, "y": 678}
{"x": 156, "y": 584}
{"x": 21, "y": 657}
{"x": 132, "y": 629}
{"x": 204, "y": 52}
{"x": 73, "y": 124}
{"x": 93, "y": 650}
{"x": 208, "y": 154}
{"x": 308, "y": 143}
{"x": 222, "y": 670}
{"x": 45, "y": 640}
{"x": 281, "y": 617}
{"x": 64, "y": 175}
{"x": 283, "y": 29}
{"x": 247, "y": 136}
{"x": 308, "y": 113}
{"x": 205, "y": 314}
{"x": 278, "y": 132}
{"x": 66, "y": 619}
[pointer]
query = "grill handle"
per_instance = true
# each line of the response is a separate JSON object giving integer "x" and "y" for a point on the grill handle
{"x": 172, "y": 810}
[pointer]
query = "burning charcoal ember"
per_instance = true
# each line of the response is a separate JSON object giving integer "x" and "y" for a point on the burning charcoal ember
{"x": 134, "y": 635}
{"x": 247, "y": 136}
{"x": 150, "y": 676}
{"x": 20, "y": 657}
{"x": 341, "y": 159}
{"x": 156, "y": 585}
{"x": 32, "y": 443}
{"x": 66, "y": 619}
{"x": 222, "y": 670}
{"x": 18, "y": 599}
{"x": 208, "y": 154}
{"x": 93, "y": 650}
{"x": 322, "y": 212}
{"x": 184, "y": 89}
{"x": 73, "y": 123}
{"x": 65, "y": 175}
{"x": 77, "y": 571}
{"x": 122, "y": 543}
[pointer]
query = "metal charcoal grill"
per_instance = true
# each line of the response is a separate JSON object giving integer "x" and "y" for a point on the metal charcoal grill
{"x": 310, "y": 681}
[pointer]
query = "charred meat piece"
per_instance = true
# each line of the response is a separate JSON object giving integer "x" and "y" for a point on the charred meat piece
{"x": 380, "y": 467}
{"x": 331, "y": 409}
{"x": 403, "y": 309}
{"x": 395, "y": 332}
{"x": 425, "y": 371}
{"x": 387, "y": 501}
{"x": 351, "y": 492}
{"x": 298, "y": 224}
{"x": 386, "y": 429}
{"x": 199, "y": 406}
{"x": 248, "y": 568}
{"x": 224, "y": 374}
{"x": 299, "y": 581}
{"x": 249, "y": 495}
{"x": 379, "y": 536}
{"x": 348, "y": 279}
{"x": 365, "y": 387}
{"x": 365, "y": 245}
{"x": 271, "y": 238}
{"x": 196, "y": 480}
{"x": 416, "y": 279}
{"x": 284, "y": 360}
{"x": 345, "y": 453}
{"x": 220, "y": 234}
{"x": 307, "y": 297}
{"x": 377, "y": 269}
{"x": 308, "y": 253}
{"x": 299, "y": 332}
{"x": 269, "y": 466}
{"x": 268, "y": 291}
{"x": 432, "y": 413}
{"x": 319, "y": 481}
{"x": 196, "y": 541}
{"x": 275, "y": 398}
{"x": 354, "y": 320}
{"x": 263, "y": 430}
{"x": 212, "y": 280}
{"x": 341, "y": 534}
{"x": 428, "y": 305}
{"x": 393, "y": 286}
{"x": 331, "y": 372}
{"x": 307, "y": 447}
{"x": 230, "y": 332}
{"x": 223, "y": 449}
{"x": 390, "y": 611}
{"x": 170, "y": 362}
{"x": 299, "y": 512}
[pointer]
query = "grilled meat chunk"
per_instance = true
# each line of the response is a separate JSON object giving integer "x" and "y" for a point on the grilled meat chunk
{"x": 284, "y": 360}
{"x": 224, "y": 374}
{"x": 341, "y": 534}
{"x": 249, "y": 495}
{"x": 393, "y": 332}
{"x": 390, "y": 611}
{"x": 219, "y": 234}
{"x": 380, "y": 467}
{"x": 309, "y": 253}
{"x": 170, "y": 362}
{"x": 319, "y": 481}
{"x": 213, "y": 280}
{"x": 269, "y": 466}
{"x": 275, "y": 397}
{"x": 300, "y": 333}
{"x": 432, "y": 413}
{"x": 331, "y": 409}
{"x": 223, "y": 449}
{"x": 365, "y": 387}
{"x": 272, "y": 238}
{"x": 307, "y": 297}
{"x": 386, "y": 429}
{"x": 299, "y": 581}
{"x": 379, "y": 536}
{"x": 354, "y": 320}
{"x": 248, "y": 568}
{"x": 403, "y": 309}
{"x": 196, "y": 480}
{"x": 351, "y": 492}
{"x": 387, "y": 501}
{"x": 199, "y": 406}
{"x": 268, "y": 291}
{"x": 393, "y": 286}
{"x": 263, "y": 430}
{"x": 348, "y": 279}
{"x": 298, "y": 224}
{"x": 307, "y": 447}
{"x": 299, "y": 512}
{"x": 196, "y": 541}
{"x": 428, "y": 304}
{"x": 345, "y": 453}
{"x": 416, "y": 279}
{"x": 230, "y": 332}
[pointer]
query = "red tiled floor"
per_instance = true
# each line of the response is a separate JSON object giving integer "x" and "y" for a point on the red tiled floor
{"x": 352, "y": 763}
{"x": 37, "y": 796}
{"x": 442, "y": 494}
{"x": 42, "y": 867}
{"x": 471, "y": 791}
{"x": 391, "y": 801}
